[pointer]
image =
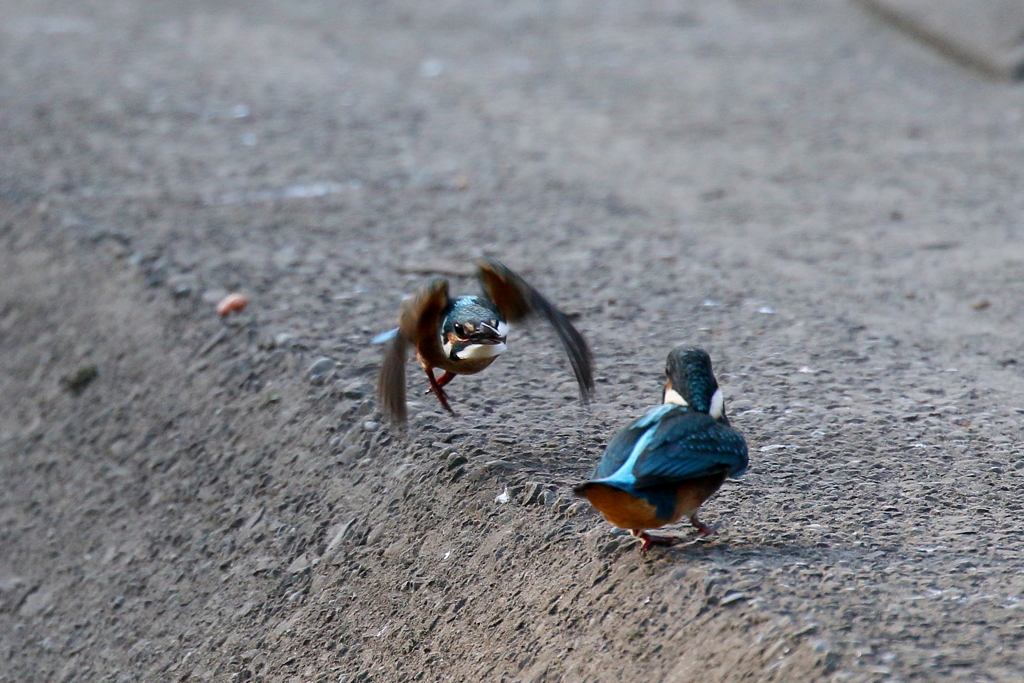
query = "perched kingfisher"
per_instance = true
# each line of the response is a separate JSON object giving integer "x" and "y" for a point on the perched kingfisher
{"x": 665, "y": 465}
{"x": 462, "y": 336}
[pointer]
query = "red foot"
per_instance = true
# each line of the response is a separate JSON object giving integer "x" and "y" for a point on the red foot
{"x": 442, "y": 381}
{"x": 436, "y": 387}
{"x": 702, "y": 528}
{"x": 647, "y": 540}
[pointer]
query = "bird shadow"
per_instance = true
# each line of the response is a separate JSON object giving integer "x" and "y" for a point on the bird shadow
{"x": 731, "y": 549}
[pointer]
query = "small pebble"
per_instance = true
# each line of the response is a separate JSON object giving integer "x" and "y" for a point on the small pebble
{"x": 232, "y": 303}
{"x": 731, "y": 598}
{"x": 77, "y": 381}
{"x": 182, "y": 285}
{"x": 354, "y": 390}
{"x": 533, "y": 494}
{"x": 213, "y": 296}
{"x": 349, "y": 455}
{"x": 320, "y": 370}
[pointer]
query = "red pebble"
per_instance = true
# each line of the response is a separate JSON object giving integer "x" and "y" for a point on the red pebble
{"x": 232, "y": 303}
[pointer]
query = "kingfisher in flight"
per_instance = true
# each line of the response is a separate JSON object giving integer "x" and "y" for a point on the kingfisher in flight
{"x": 663, "y": 466}
{"x": 463, "y": 335}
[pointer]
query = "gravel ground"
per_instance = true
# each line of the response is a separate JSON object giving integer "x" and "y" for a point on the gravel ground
{"x": 827, "y": 207}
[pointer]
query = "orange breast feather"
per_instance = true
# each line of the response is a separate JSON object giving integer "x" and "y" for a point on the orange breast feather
{"x": 622, "y": 509}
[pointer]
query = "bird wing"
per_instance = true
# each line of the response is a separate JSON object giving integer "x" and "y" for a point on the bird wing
{"x": 418, "y": 320}
{"x": 625, "y": 442}
{"x": 687, "y": 445}
{"x": 618, "y": 451}
{"x": 517, "y": 300}
{"x": 421, "y": 313}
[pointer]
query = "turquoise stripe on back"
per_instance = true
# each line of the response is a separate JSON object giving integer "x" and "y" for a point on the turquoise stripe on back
{"x": 624, "y": 475}
{"x": 655, "y": 414}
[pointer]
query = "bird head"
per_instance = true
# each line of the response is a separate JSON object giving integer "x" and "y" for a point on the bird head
{"x": 692, "y": 383}
{"x": 472, "y": 330}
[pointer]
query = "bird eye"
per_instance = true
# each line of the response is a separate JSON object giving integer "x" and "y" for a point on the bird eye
{"x": 460, "y": 330}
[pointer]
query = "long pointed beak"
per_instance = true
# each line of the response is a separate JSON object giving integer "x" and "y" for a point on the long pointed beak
{"x": 487, "y": 335}
{"x": 488, "y": 338}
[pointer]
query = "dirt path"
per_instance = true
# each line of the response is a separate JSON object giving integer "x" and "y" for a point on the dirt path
{"x": 832, "y": 211}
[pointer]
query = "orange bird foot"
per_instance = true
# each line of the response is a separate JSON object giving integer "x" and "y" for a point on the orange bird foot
{"x": 436, "y": 388}
{"x": 647, "y": 540}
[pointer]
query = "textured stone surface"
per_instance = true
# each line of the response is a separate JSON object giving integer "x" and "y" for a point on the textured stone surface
{"x": 814, "y": 198}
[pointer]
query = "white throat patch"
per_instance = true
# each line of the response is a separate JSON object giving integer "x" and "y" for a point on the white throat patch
{"x": 716, "y": 409}
{"x": 478, "y": 351}
{"x": 672, "y": 396}
{"x": 717, "y": 404}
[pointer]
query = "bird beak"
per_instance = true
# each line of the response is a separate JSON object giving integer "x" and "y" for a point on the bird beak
{"x": 487, "y": 339}
{"x": 487, "y": 335}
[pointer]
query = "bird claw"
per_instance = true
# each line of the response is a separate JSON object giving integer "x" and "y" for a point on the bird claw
{"x": 436, "y": 388}
{"x": 647, "y": 540}
{"x": 702, "y": 528}
{"x": 443, "y": 398}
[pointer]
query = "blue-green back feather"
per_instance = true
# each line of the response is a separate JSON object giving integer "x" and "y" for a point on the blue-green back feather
{"x": 668, "y": 445}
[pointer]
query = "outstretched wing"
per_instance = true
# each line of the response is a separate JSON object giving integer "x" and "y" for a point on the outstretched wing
{"x": 687, "y": 445}
{"x": 517, "y": 300}
{"x": 418, "y": 321}
{"x": 421, "y": 313}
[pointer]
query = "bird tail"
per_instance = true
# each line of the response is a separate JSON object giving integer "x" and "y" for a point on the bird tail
{"x": 391, "y": 380}
{"x": 581, "y": 490}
